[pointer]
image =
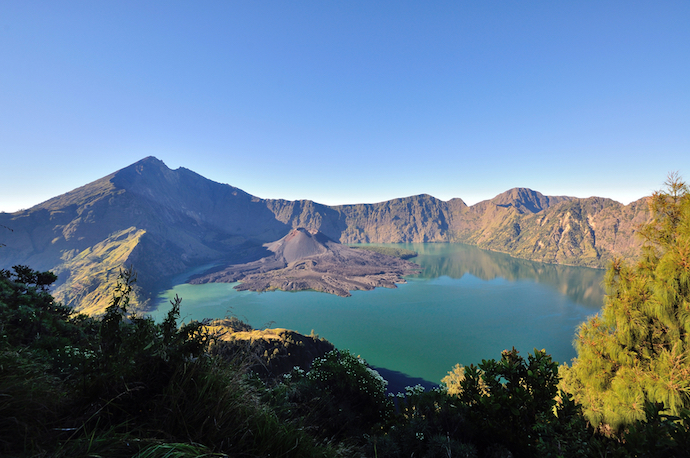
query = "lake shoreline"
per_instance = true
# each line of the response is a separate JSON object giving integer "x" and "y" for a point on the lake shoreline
{"x": 466, "y": 305}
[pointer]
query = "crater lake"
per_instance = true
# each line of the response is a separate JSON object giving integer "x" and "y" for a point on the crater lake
{"x": 466, "y": 304}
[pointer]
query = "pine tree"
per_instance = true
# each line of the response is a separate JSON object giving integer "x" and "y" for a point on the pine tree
{"x": 637, "y": 351}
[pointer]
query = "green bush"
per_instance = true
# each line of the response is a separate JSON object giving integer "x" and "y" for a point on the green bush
{"x": 30, "y": 399}
{"x": 357, "y": 393}
{"x": 507, "y": 399}
{"x": 339, "y": 399}
{"x": 427, "y": 424}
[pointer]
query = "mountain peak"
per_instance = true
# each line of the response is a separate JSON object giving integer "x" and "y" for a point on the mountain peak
{"x": 526, "y": 200}
{"x": 146, "y": 169}
{"x": 298, "y": 244}
{"x": 148, "y": 160}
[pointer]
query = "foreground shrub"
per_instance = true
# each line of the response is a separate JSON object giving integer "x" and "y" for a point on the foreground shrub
{"x": 123, "y": 385}
{"x": 507, "y": 398}
{"x": 339, "y": 399}
{"x": 357, "y": 399}
{"x": 30, "y": 399}
{"x": 426, "y": 423}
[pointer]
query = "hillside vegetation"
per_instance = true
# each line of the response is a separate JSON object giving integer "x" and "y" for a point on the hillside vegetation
{"x": 123, "y": 386}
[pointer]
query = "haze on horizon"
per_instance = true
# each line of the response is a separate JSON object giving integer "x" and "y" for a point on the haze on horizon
{"x": 346, "y": 103}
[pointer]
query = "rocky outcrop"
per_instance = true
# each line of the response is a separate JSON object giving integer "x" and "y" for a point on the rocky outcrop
{"x": 267, "y": 352}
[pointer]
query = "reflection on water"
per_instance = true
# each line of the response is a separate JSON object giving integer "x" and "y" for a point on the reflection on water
{"x": 580, "y": 284}
{"x": 441, "y": 317}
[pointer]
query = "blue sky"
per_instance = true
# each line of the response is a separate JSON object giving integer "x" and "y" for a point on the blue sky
{"x": 347, "y": 102}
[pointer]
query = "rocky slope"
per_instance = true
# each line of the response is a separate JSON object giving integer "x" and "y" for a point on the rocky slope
{"x": 587, "y": 232}
{"x": 165, "y": 221}
{"x": 304, "y": 260}
{"x": 159, "y": 220}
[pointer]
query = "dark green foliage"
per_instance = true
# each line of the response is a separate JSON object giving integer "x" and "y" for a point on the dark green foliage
{"x": 428, "y": 424}
{"x": 357, "y": 393}
{"x": 30, "y": 398}
{"x": 28, "y": 313}
{"x": 565, "y": 434}
{"x": 123, "y": 385}
{"x": 509, "y": 408}
{"x": 111, "y": 324}
{"x": 340, "y": 398}
{"x": 508, "y": 398}
{"x": 503, "y": 408}
{"x": 31, "y": 323}
{"x": 210, "y": 402}
{"x": 29, "y": 277}
{"x": 659, "y": 435}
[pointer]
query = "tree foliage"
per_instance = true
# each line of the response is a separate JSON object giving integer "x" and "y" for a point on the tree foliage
{"x": 452, "y": 382}
{"x": 637, "y": 351}
{"x": 507, "y": 398}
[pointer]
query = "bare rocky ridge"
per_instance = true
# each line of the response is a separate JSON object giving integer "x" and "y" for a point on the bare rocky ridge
{"x": 164, "y": 222}
{"x": 308, "y": 260}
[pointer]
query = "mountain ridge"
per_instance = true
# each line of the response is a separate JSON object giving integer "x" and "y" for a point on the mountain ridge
{"x": 165, "y": 221}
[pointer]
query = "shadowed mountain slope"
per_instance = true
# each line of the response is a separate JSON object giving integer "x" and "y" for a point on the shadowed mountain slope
{"x": 161, "y": 221}
{"x": 165, "y": 221}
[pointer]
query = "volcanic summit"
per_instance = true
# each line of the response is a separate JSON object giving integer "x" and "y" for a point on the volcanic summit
{"x": 309, "y": 260}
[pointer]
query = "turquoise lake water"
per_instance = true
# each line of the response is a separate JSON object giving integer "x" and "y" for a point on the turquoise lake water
{"x": 466, "y": 305}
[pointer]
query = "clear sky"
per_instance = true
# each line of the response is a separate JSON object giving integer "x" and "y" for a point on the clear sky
{"x": 347, "y": 101}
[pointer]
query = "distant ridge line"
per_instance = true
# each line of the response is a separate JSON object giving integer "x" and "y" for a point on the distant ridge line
{"x": 166, "y": 221}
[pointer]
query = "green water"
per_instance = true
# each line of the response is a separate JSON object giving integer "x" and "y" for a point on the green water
{"x": 466, "y": 305}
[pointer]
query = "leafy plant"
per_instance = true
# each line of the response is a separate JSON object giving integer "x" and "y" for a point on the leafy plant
{"x": 452, "y": 382}
{"x": 357, "y": 392}
{"x": 506, "y": 399}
